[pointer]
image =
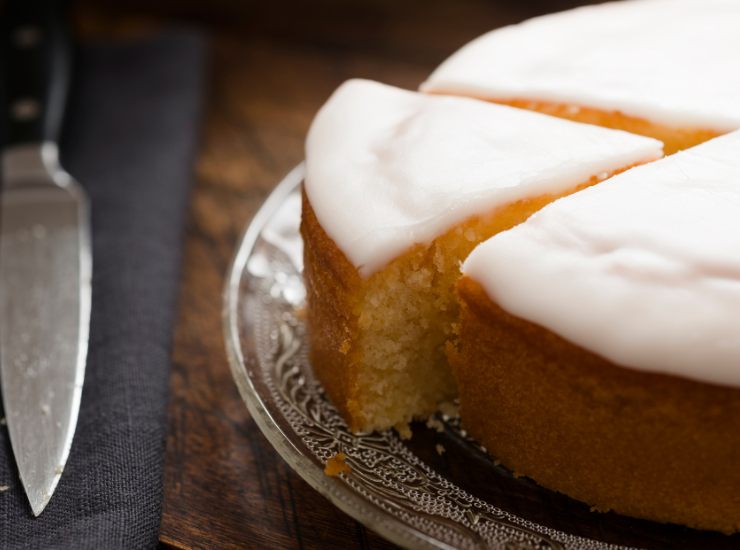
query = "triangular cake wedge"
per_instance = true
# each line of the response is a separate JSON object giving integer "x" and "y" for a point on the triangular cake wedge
{"x": 399, "y": 187}
{"x": 599, "y": 347}
{"x": 662, "y": 68}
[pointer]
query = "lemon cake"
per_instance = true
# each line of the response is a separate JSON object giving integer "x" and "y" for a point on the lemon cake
{"x": 661, "y": 68}
{"x": 399, "y": 187}
{"x": 599, "y": 349}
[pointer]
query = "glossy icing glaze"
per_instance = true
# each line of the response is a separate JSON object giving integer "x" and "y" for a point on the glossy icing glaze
{"x": 672, "y": 62}
{"x": 388, "y": 168}
{"x": 643, "y": 270}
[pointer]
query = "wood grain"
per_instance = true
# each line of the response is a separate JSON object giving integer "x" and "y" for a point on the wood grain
{"x": 272, "y": 64}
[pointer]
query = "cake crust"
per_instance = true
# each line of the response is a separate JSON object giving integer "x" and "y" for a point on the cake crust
{"x": 642, "y": 444}
{"x": 333, "y": 288}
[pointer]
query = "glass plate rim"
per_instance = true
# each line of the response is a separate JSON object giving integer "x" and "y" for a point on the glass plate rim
{"x": 351, "y": 503}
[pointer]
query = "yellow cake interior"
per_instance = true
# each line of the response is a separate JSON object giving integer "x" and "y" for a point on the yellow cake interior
{"x": 405, "y": 315}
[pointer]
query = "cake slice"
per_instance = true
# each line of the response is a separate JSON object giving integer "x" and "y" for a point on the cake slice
{"x": 661, "y": 68}
{"x": 399, "y": 187}
{"x": 599, "y": 347}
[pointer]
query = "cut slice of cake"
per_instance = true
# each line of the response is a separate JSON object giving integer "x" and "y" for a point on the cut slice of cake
{"x": 661, "y": 68}
{"x": 399, "y": 187}
{"x": 599, "y": 347}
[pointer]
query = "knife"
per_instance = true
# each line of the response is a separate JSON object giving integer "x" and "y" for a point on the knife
{"x": 45, "y": 257}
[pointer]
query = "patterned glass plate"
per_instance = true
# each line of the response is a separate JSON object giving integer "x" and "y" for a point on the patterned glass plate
{"x": 437, "y": 490}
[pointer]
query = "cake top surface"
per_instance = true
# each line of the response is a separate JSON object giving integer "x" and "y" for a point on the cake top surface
{"x": 643, "y": 269}
{"x": 388, "y": 168}
{"x": 669, "y": 61}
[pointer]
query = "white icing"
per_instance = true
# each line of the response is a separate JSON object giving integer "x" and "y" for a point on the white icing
{"x": 388, "y": 168}
{"x": 669, "y": 61}
{"x": 643, "y": 269}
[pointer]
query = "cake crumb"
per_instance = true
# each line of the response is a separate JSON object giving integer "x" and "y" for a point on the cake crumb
{"x": 336, "y": 465}
{"x": 449, "y": 409}
{"x": 434, "y": 423}
{"x": 4, "y": 488}
{"x": 344, "y": 348}
{"x": 404, "y": 430}
{"x": 440, "y": 449}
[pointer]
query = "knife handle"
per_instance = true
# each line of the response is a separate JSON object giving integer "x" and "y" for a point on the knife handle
{"x": 36, "y": 52}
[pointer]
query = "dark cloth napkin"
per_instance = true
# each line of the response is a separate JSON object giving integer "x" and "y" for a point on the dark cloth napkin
{"x": 130, "y": 137}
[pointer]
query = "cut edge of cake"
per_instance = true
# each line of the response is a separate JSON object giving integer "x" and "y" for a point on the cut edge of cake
{"x": 377, "y": 341}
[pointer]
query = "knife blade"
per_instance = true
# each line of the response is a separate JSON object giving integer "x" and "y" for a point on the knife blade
{"x": 45, "y": 268}
{"x": 45, "y": 258}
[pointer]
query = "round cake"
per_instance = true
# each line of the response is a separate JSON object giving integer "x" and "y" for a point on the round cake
{"x": 591, "y": 337}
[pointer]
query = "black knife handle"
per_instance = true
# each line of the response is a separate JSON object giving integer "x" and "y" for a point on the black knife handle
{"x": 36, "y": 58}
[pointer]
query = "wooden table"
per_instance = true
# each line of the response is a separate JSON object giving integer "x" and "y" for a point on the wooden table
{"x": 272, "y": 64}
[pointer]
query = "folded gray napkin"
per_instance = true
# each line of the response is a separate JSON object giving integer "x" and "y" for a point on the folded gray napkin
{"x": 130, "y": 137}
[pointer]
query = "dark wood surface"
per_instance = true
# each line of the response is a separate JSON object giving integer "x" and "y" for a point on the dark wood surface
{"x": 272, "y": 64}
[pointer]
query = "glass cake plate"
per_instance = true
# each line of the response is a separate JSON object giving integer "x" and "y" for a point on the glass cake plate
{"x": 437, "y": 490}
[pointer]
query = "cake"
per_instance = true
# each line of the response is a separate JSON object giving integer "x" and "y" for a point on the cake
{"x": 590, "y": 336}
{"x": 661, "y": 68}
{"x": 598, "y": 349}
{"x": 399, "y": 188}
